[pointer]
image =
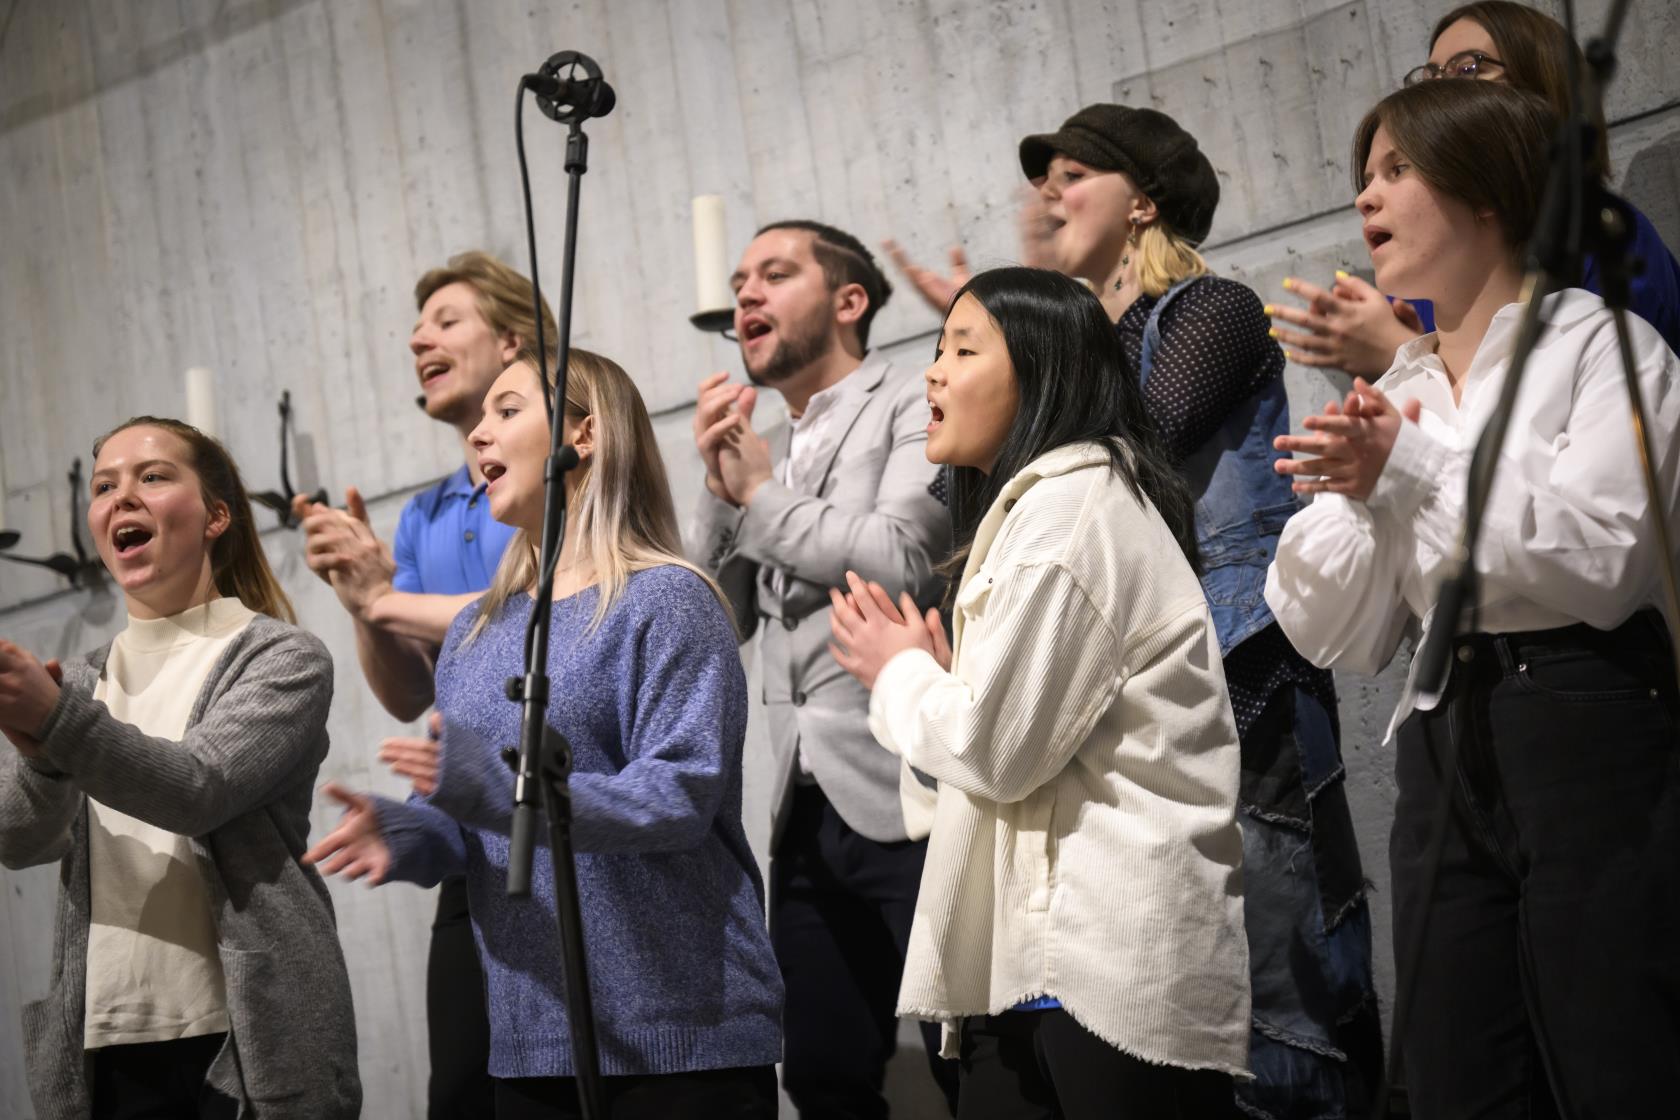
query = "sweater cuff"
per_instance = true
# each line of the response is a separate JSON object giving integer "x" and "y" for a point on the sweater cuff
{"x": 468, "y": 774}
{"x": 407, "y": 838}
{"x": 60, "y": 733}
{"x": 43, "y": 768}
{"x": 1412, "y": 472}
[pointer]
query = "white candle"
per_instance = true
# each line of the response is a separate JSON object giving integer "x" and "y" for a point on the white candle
{"x": 201, "y": 400}
{"x": 711, "y": 259}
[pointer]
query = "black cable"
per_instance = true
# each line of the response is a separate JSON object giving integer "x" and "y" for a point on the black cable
{"x": 531, "y": 247}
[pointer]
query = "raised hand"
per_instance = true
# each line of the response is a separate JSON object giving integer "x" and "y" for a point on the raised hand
{"x": 1032, "y": 222}
{"x": 1350, "y": 444}
{"x": 28, "y": 690}
{"x": 355, "y": 849}
{"x": 341, "y": 548}
{"x": 714, "y": 405}
{"x": 935, "y": 289}
{"x": 416, "y": 758}
{"x": 745, "y": 459}
{"x": 26, "y": 744}
{"x": 1351, "y": 326}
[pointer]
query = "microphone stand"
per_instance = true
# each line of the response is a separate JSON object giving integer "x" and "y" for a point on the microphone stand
{"x": 543, "y": 765}
{"x": 1577, "y": 217}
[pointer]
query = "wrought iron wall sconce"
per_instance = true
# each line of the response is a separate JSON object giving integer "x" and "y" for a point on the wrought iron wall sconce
{"x": 80, "y": 569}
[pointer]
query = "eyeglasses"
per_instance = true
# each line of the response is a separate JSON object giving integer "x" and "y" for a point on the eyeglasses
{"x": 1464, "y": 64}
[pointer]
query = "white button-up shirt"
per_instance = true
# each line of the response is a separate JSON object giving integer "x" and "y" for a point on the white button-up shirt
{"x": 1567, "y": 536}
{"x": 812, "y": 436}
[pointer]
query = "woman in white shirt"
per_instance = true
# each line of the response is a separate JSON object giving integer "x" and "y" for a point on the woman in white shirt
{"x": 1547, "y": 961}
{"x": 196, "y": 965}
{"x": 1079, "y": 926}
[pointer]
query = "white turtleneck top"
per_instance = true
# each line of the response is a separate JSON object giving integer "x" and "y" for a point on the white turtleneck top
{"x": 153, "y": 972}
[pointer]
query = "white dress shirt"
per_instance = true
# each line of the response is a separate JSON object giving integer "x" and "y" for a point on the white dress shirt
{"x": 811, "y": 439}
{"x": 1567, "y": 536}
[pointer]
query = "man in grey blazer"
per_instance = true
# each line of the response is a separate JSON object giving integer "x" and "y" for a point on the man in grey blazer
{"x": 844, "y": 483}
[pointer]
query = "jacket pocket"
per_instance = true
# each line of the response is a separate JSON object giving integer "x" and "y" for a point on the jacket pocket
{"x": 273, "y": 1066}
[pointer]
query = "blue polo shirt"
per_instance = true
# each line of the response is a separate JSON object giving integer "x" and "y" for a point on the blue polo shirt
{"x": 447, "y": 543}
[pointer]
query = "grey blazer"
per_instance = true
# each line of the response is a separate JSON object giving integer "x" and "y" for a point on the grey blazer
{"x": 240, "y": 783}
{"x": 874, "y": 512}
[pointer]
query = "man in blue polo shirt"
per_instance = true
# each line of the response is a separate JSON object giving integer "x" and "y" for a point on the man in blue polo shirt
{"x": 475, "y": 313}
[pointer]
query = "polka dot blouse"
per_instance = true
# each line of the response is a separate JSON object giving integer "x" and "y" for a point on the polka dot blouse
{"x": 1214, "y": 353}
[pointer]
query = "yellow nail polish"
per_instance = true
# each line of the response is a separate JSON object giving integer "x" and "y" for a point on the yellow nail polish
{"x": 1272, "y": 333}
{"x": 1288, "y": 283}
{"x": 1340, "y": 275}
{"x": 1268, "y": 310}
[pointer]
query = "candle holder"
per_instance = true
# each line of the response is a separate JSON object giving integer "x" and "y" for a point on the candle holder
{"x": 80, "y": 569}
{"x": 718, "y": 321}
{"x": 280, "y": 501}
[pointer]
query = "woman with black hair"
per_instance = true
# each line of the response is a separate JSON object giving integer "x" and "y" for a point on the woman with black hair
{"x": 1079, "y": 928}
{"x": 1123, "y": 198}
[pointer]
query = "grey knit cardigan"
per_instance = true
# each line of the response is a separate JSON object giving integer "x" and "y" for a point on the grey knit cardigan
{"x": 239, "y": 784}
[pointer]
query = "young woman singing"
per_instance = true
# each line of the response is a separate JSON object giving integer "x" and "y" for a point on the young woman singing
{"x": 196, "y": 966}
{"x": 1541, "y": 947}
{"x": 646, "y": 684}
{"x": 1079, "y": 927}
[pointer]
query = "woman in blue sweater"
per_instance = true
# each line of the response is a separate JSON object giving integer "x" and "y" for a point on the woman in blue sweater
{"x": 647, "y": 686}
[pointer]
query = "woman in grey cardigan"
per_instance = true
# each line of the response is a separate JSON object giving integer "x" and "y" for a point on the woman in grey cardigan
{"x": 196, "y": 965}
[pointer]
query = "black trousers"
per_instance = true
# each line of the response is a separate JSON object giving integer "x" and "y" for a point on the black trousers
{"x": 159, "y": 1081}
{"x": 713, "y": 1094}
{"x": 457, "y": 1020}
{"x": 1042, "y": 1065}
{"x": 1549, "y": 981}
{"x": 840, "y": 911}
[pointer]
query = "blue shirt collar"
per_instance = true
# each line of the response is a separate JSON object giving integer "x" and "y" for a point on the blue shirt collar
{"x": 460, "y": 484}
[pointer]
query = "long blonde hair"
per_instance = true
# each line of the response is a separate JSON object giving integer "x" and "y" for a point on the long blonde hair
{"x": 623, "y": 515}
{"x": 237, "y": 561}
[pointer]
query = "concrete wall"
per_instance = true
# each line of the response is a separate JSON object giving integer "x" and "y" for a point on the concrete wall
{"x": 253, "y": 185}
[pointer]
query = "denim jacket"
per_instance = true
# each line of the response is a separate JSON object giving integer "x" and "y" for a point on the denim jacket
{"x": 1241, "y": 501}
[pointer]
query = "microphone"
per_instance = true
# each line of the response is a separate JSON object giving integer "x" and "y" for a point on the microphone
{"x": 570, "y": 99}
{"x": 588, "y": 97}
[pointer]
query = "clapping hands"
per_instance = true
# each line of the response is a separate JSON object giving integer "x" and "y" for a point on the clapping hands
{"x": 341, "y": 548}
{"x": 1349, "y": 443}
{"x": 736, "y": 457}
{"x": 1349, "y": 326}
{"x": 870, "y": 630}
{"x": 28, "y": 694}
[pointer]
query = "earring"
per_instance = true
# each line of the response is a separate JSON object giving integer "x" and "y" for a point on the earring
{"x": 1126, "y": 254}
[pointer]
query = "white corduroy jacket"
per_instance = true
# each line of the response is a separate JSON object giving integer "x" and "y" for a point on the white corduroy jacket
{"x": 1084, "y": 843}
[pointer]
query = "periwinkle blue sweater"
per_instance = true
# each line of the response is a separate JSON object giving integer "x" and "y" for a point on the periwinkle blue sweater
{"x": 654, "y": 704}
